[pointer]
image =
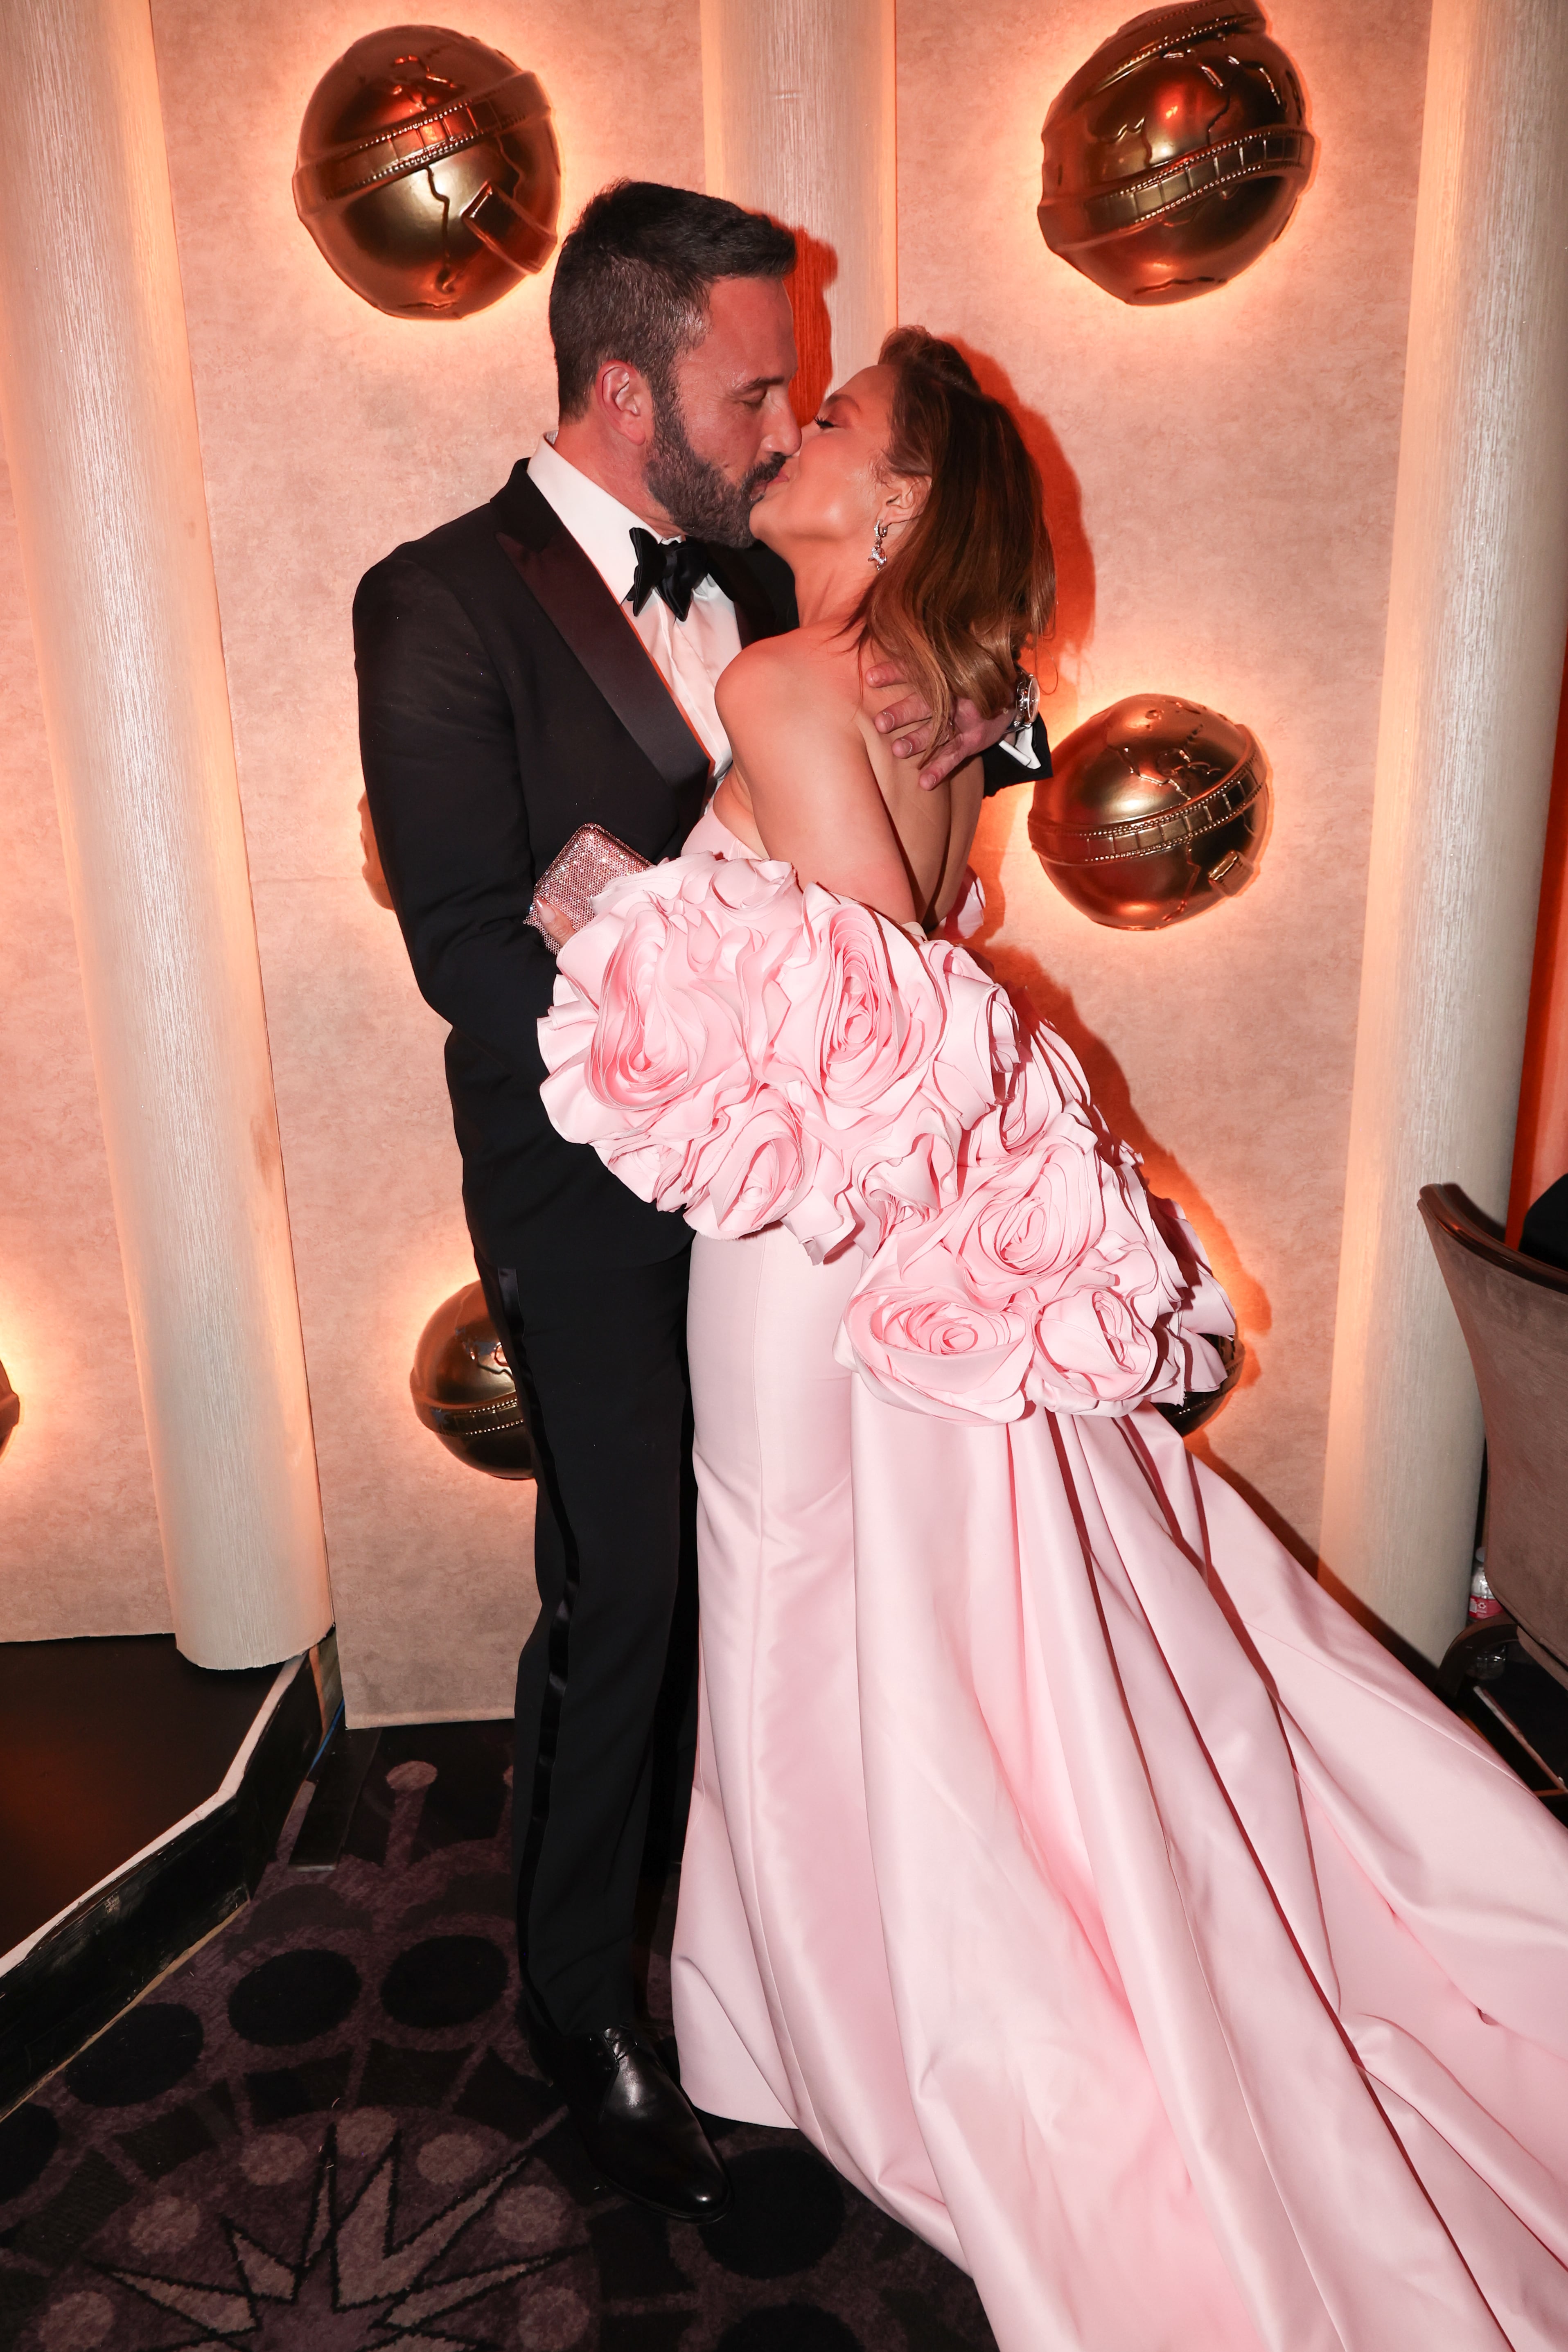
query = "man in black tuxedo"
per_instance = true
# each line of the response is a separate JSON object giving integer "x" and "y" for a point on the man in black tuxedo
{"x": 547, "y": 661}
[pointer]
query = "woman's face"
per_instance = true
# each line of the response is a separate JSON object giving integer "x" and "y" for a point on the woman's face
{"x": 836, "y": 488}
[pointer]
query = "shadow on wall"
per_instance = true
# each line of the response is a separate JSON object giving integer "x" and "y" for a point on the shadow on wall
{"x": 1044, "y": 999}
{"x": 1278, "y": 1526}
{"x": 815, "y": 269}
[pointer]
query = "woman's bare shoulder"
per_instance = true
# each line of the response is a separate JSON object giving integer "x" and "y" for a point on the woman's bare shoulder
{"x": 808, "y": 669}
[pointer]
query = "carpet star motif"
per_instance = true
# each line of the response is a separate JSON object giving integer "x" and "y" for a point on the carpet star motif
{"x": 353, "y": 2287}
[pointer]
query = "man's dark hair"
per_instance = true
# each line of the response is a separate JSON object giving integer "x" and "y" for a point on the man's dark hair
{"x": 632, "y": 280}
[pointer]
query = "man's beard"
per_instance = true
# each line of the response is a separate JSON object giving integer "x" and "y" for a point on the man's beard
{"x": 698, "y": 497}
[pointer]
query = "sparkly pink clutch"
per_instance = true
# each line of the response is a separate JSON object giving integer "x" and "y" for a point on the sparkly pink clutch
{"x": 590, "y": 860}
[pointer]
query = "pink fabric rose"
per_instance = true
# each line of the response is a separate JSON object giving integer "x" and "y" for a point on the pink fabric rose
{"x": 647, "y": 1041}
{"x": 903, "y": 1179}
{"x": 1207, "y": 1307}
{"x": 936, "y": 1352}
{"x": 1050, "y": 1229}
{"x": 891, "y": 1047}
{"x": 751, "y": 1173}
{"x": 1028, "y": 1210}
{"x": 1033, "y": 1220}
{"x": 648, "y": 1032}
{"x": 875, "y": 1009}
{"x": 657, "y": 1046}
{"x": 1092, "y": 1352}
{"x": 981, "y": 1048}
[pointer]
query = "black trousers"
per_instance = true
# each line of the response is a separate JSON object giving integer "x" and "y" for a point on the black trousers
{"x": 606, "y": 1682}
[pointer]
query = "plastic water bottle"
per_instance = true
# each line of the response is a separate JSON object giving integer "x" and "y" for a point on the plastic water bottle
{"x": 1484, "y": 1602}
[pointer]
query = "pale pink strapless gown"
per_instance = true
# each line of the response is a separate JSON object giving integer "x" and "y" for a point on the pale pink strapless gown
{"x": 1089, "y": 1887}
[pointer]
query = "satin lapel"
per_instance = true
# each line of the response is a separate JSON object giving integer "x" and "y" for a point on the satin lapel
{"x": 570, "y": 592}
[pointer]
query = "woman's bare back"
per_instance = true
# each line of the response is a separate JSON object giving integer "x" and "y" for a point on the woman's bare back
{"x": 813, "y": 782}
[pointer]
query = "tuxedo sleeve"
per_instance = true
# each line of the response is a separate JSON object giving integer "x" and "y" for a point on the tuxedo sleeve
{"x": 438, "y": 744}
{"x": 1002, "y": 768}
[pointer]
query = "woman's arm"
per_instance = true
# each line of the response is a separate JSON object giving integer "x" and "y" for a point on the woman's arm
{"x": 790, "y": 712}
{"x": 968, "y": 793}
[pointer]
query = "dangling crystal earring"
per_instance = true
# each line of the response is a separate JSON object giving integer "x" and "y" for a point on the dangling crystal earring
{"x": 878, "y": 540}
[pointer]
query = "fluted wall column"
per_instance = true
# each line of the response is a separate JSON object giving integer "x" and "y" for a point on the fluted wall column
{"x": 1477, "y": 608}
{"x": 101, "y": 431}
{"x": 798, "y": 116}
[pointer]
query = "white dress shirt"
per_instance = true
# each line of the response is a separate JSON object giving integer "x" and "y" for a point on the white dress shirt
{"x": 690, "y": 654}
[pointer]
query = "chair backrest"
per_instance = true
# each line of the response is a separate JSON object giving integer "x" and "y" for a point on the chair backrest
{"x": 1513, "y": 1311}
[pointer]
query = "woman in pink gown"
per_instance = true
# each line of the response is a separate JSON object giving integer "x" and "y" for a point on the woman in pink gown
{"x": 1088, "y": 1886}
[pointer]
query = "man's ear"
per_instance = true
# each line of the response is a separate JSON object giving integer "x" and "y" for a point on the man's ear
{"x": 624, "y": 399}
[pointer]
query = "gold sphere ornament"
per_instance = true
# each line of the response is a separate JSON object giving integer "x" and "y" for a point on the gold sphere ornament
{"x": 428, "y": 172}
{"x": 1199, "y": 1405}
{"x": 463, "y": 1388}
{"x": 1175, "y": 156}
{"x": 1157, "y": 809}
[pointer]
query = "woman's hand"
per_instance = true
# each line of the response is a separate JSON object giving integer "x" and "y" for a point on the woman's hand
{"x": 553, "y": 920}
{"x": 971, "y": 733}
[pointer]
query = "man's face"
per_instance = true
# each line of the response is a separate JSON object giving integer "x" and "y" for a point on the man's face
{"x": 730, "y": 428}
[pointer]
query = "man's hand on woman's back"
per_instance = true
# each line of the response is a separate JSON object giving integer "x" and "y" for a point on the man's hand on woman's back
{"x": 971, "y": 733}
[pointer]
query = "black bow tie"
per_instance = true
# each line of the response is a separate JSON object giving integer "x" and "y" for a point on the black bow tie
{"x": 674, "y": 567}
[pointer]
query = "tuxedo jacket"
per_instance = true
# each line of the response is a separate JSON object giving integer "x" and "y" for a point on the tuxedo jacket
{"x": 504, "y": 701}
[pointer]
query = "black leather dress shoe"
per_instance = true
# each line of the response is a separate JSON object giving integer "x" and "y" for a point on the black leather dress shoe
{"x": 636, "y": 2123}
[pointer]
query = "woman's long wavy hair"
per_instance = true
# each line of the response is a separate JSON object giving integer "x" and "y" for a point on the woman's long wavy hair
{"x": 971, "y": 581}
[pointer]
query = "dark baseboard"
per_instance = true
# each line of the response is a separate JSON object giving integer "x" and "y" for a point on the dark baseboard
{"x": 107, "y": 1951}
{"x": 319, "y": 1841}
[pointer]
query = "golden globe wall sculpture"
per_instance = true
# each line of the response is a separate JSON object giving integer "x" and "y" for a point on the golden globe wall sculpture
{"x": 10, "y": 1410}
{"x": 463, "y": 1388}
{"x": 428, "y": 172}
{"x": 1199, "y": 1405}
{"x": 1157, "y": 809}
{"x": 1175, "y": 156}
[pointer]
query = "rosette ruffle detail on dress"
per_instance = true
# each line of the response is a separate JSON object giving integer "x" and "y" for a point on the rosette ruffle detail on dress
{"x": 753, "y": 1053}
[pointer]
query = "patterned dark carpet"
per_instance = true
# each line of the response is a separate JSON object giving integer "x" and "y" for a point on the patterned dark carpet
{"x": 323, "y": 2133}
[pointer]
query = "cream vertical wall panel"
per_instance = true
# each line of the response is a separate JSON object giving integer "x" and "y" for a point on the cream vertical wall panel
{"x": 799, "y": 102}
{"x": 329, "y": 434}
{"x": 1470, "y": 699}
{"x": 1220, "y": 476}
{"x": 95, "y": 388}
{"x": 78, "y": 1527}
